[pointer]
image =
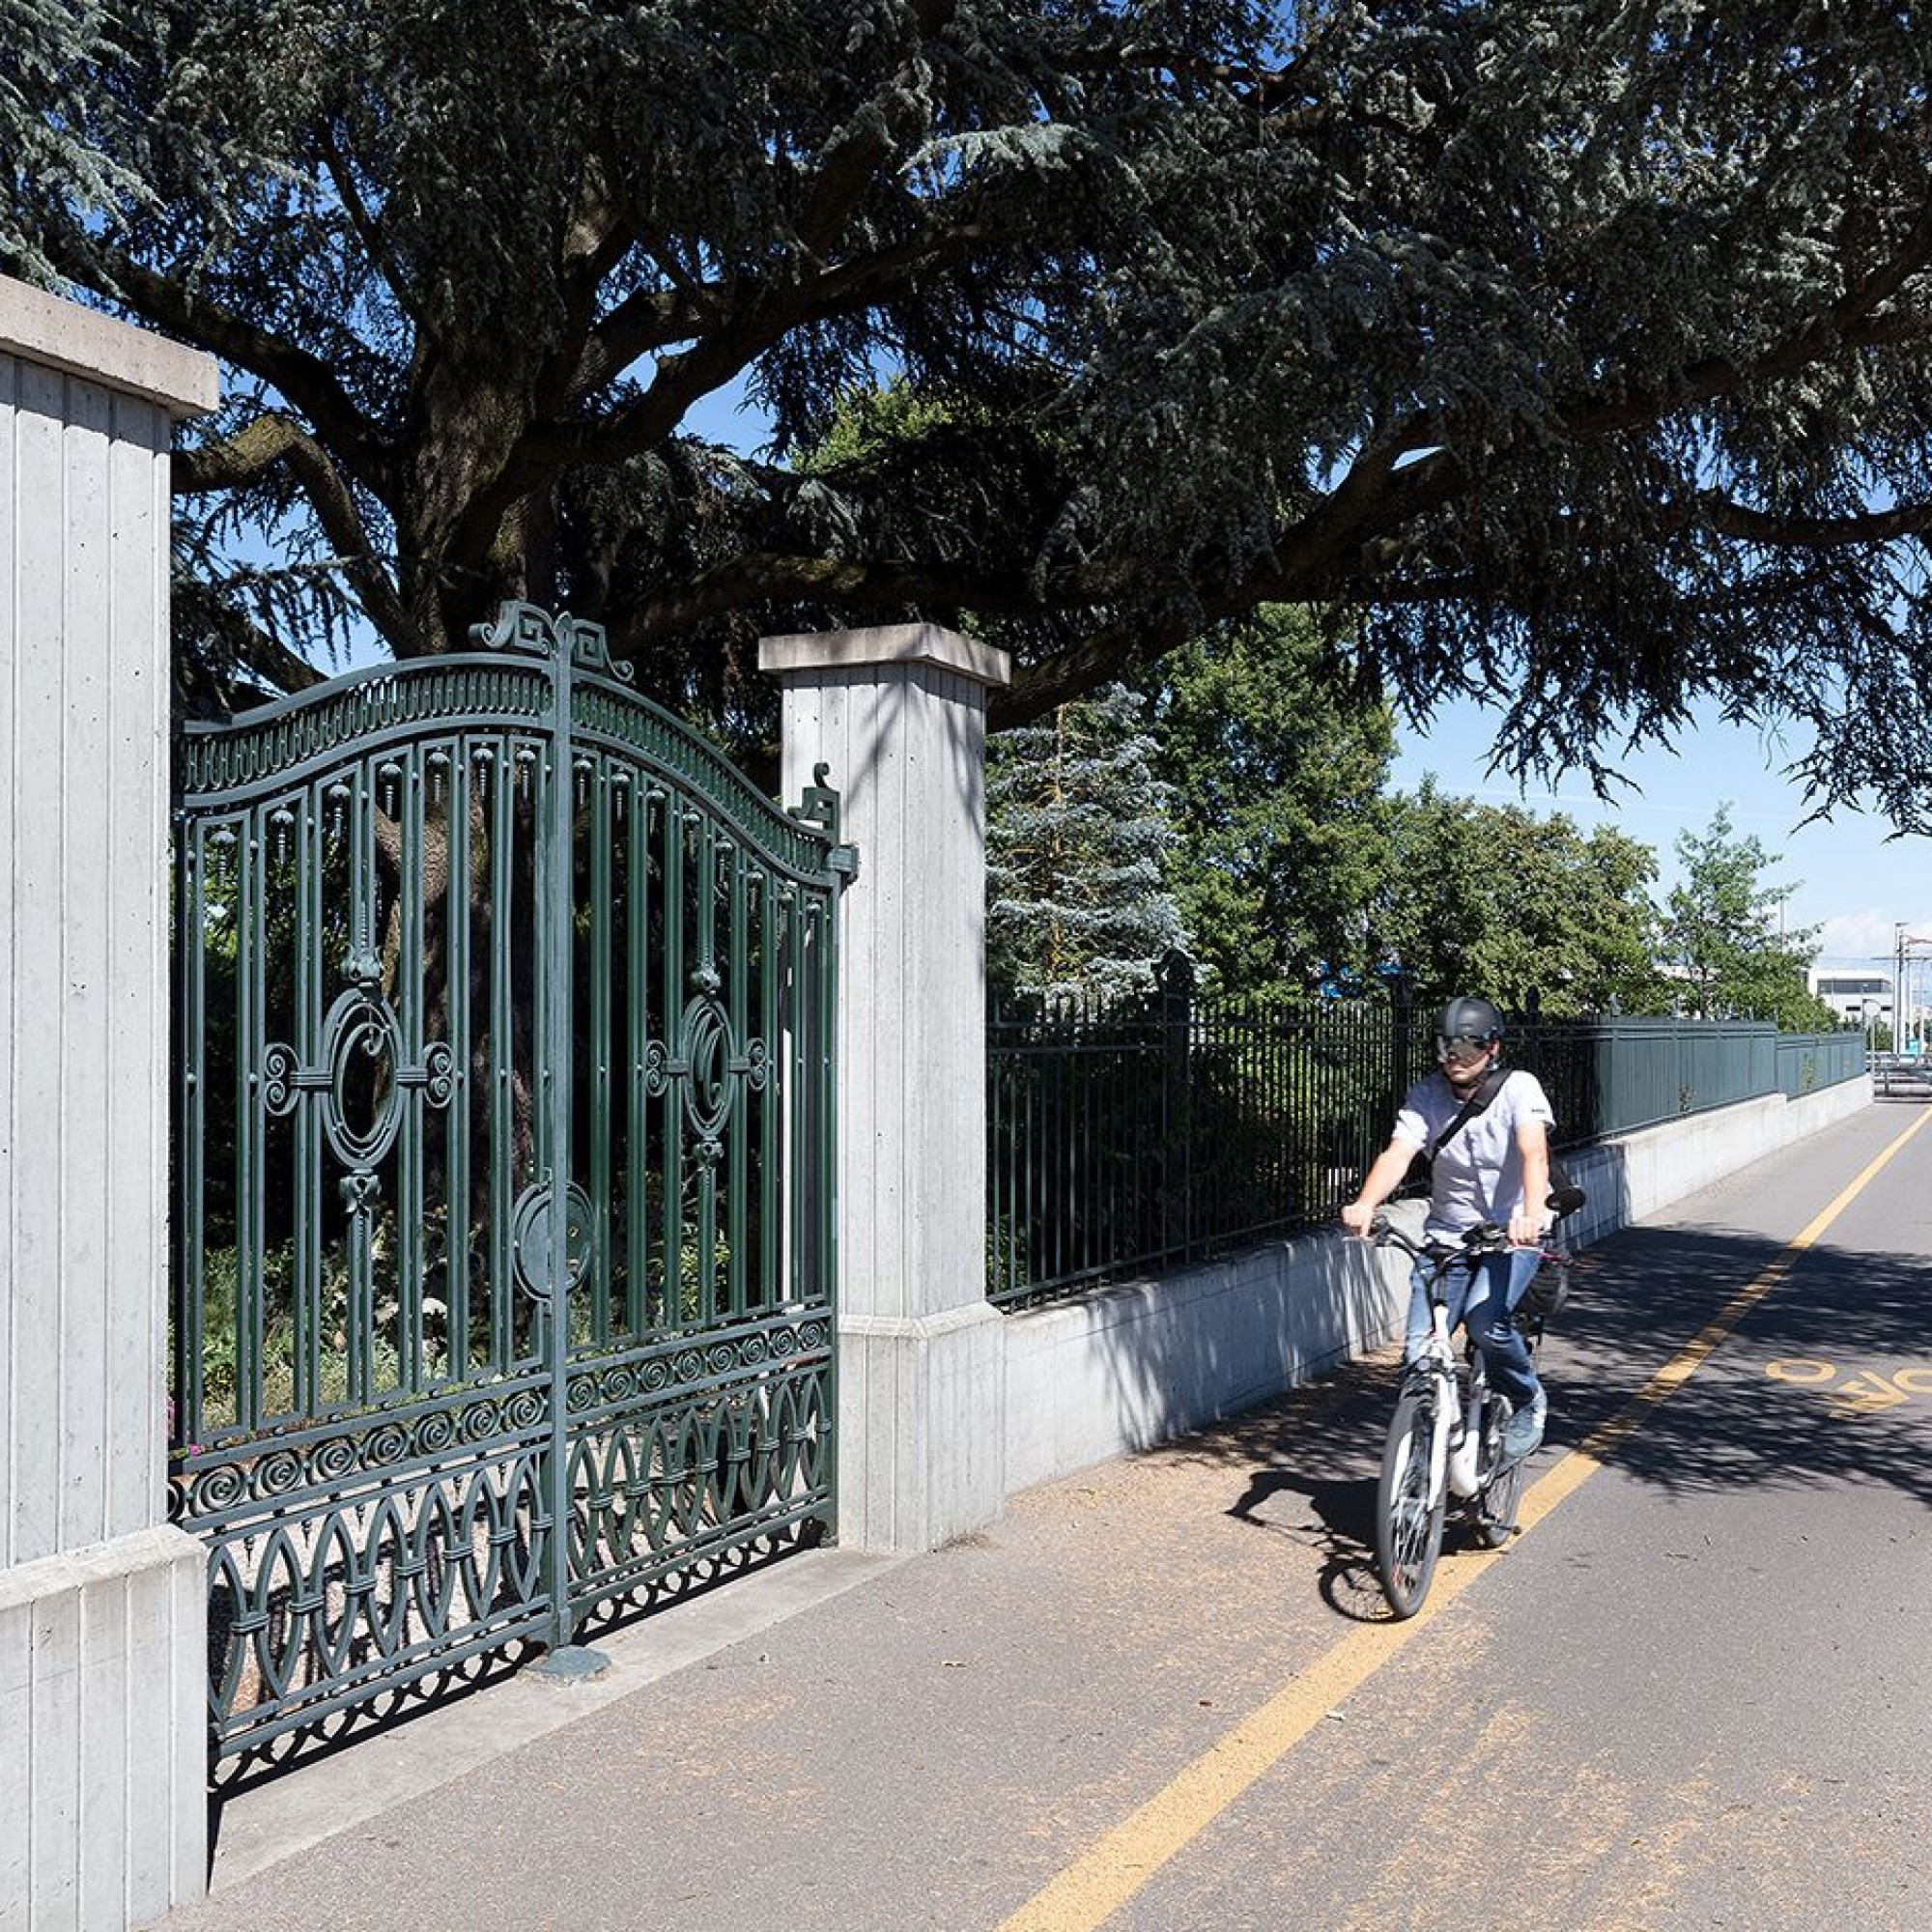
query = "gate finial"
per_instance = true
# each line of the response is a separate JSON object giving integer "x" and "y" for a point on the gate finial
{"x": 529, "y": 626}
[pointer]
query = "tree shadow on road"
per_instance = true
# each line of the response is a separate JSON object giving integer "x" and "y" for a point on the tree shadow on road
{"x": 1825, "y": 1376}
{"x": 1813, "y": 1367}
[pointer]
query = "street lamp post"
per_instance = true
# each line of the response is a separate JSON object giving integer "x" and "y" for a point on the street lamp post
{"x": 1908, "y": 1017}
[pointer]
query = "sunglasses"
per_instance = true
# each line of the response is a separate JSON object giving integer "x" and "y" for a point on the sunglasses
{"x": 1460, "y": 1042}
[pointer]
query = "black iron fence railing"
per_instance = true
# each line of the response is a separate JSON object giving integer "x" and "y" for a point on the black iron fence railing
{"x": 1129, "y": 1138}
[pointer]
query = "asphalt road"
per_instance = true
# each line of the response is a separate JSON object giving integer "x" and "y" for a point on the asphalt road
{"x": 1163, "y": 1697}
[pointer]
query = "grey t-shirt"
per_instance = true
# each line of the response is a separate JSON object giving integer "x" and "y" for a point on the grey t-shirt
{"x": 1478, "y": 1176}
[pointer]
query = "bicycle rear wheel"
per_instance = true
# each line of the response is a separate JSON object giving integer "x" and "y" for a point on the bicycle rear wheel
{"x": 1499, "y": 1482}
{"x": 1408, "y": 1525}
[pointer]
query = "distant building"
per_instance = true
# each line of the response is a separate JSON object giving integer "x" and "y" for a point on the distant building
{"x": 1856, "y": 997}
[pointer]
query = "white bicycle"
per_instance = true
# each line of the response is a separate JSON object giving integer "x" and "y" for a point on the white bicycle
{"x": 1446, "y": 1437}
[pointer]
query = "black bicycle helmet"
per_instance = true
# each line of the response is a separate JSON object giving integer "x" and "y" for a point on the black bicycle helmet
{"x": 1467, "y": 1018}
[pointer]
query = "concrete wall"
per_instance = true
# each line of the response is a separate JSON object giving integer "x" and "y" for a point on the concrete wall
{"x": 102, "y": 1727}
{"x": 1128, "y": 1367}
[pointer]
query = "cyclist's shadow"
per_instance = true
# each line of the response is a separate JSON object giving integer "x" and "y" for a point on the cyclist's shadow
{"x": 1345, "y": 1524}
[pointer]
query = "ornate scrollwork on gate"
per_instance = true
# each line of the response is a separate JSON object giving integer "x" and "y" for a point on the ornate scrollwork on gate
{"x": 571, "y": 1342}
{"x": 706, "y": 1060}
{"x": 360, "y": 1078}
{"x": 525, "y": 627}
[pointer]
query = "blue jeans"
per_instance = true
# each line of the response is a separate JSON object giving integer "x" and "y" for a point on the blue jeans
{"x": 1484, "y": 1295}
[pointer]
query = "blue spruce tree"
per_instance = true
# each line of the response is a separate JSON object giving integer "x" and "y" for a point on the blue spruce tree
{"x": 1078, "y": 832}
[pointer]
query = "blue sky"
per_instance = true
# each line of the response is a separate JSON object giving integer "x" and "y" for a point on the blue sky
{"x": 1850, "y": 877}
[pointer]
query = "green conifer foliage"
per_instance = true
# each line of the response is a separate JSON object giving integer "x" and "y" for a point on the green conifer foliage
{"x": 1723, "y": 939}
{"x": 1576, "y": 354}
{"x": 1078, "y": 834}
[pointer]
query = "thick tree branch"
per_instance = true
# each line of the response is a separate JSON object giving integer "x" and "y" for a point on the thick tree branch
{"x": 369, "y": 233}
{"x": 206, "y": 690}
{"x": 1375, "y": 499}
{"x": 748, "y": 581}
{"x": 1106, "y": 653}
{"x": 760, "y": 323}
{"x": 853, "y": 159}
{"x": 1733, "y": 519}
{"x": 256, "y": 448}
{"x": 595, "y": 241}
{"x": 277, "y": 667}
{"x": 306, "y": 381}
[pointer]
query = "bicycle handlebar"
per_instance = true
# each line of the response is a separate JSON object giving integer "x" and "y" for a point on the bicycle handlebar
{"x": 1486, "y": 1238}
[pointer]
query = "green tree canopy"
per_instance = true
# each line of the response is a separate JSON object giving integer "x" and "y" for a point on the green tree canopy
{"x": 1277, "y": 774}
{"x": 1723, "y": 936}
{"x": 1576, "y": 354}
{"x": 1495, "y": 900}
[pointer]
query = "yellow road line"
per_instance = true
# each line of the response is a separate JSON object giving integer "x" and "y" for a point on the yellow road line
{"x": 1098, "y": 1883}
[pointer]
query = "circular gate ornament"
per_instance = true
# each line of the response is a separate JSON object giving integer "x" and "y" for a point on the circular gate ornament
{"x": 531, "y": 1238}
{"x": 709, "y": 1066}
{"x": 363, "y": 1049}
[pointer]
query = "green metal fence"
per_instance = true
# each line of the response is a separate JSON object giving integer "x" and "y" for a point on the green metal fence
{"x": 504, "y": 1278}
{"x": 1149, "y": 1133}
{"x": 1615, "y": 1075}
{"x": 1158, "y": 1131}
{"x": 1809, "y": 1060}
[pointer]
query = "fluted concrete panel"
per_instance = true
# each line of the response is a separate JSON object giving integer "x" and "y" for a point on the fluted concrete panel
{"x": 102, "y": 1606}
{"x": 106, "y": 1810}
{"x": 898, "y": 716}
{"x": 84, "y": 987}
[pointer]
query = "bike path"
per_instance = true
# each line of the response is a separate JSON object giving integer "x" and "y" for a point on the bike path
{"x": 1692, "y": 1694}
{"x": 1696, "y": 1692}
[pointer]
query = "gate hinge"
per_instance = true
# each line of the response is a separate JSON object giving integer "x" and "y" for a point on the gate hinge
{"x": 819, "y": 807}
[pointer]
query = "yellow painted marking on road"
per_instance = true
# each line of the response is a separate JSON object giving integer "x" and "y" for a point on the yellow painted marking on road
{"x": 1589, "y": 1455}
{"x": 1092, "y": 1889}
{"x": 1868, "y": 1393}
{"x": 1863, "y": 1392}
{"x": 1098, "y": 1883}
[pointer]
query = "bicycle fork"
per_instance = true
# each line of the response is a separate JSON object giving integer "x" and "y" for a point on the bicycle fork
{"x": 1465, "y": 1448}
{"x": 1450, "y": 1443}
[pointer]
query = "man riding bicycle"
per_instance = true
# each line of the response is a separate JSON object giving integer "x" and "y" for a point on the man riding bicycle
{"x": 1486, "y": 1133}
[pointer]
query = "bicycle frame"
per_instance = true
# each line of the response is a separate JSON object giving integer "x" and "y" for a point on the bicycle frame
{"x": 1439, "y": 1357}
{"x": 1463, "y": 1419}
{"x": 1456, "y": 1439}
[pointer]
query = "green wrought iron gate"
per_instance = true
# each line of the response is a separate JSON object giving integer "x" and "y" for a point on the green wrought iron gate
{"x": 503, "y": 1157}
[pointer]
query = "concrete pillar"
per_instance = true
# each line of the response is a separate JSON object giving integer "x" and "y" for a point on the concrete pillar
{"x": 102, "y": 1605}
{"x": 899, "y": 715}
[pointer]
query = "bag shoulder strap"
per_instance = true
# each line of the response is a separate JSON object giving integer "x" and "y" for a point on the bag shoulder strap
{"x": 1492, "y": 1086}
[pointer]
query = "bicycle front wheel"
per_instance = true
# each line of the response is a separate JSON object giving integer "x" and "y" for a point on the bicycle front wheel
{"x": 1409, "y": 1522}
{"x": 1500, "y": 1498}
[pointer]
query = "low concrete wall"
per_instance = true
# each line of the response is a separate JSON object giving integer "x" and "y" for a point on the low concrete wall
{"x": 1133, "y": 1365}
{"x": 1127, "y": 1367}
